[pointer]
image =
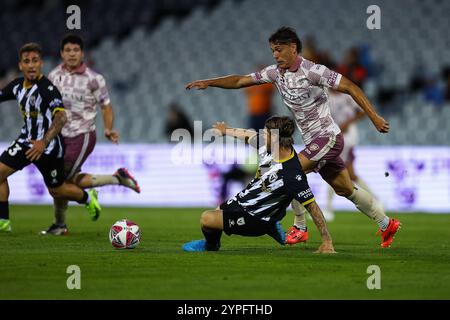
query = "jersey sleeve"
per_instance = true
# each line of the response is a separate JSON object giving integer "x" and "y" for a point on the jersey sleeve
{"x": 7, "y": 93}
{"x": 55, "y": 102}
{"x": 266, "y": 75}
{"x": 296, "y": 185}
{"x": 99, "y": 90}
{"x": 320, "y": 75}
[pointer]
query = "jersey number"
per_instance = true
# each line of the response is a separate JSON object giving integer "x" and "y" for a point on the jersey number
{"x": 14, "y": 149}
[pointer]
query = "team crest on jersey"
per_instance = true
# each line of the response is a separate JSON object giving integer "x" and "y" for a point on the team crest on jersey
{"x": 298, "y": 177}
{"x": 314, "y": 147}
{"x": 32, "y": 100}
{"x": 54, "y": 173}
{"x": 50, "y": 88}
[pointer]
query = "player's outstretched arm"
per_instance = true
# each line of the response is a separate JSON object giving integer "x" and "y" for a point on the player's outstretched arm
{"x": 35, "y": 152}
{"x": 348, "y": 87}
{"x": 242, "y": 134}
{"x": 319, "y": 221}
{"x": 227, "y": 82}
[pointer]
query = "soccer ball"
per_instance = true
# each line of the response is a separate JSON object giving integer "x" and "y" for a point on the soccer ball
{"x": 125, "y": 234}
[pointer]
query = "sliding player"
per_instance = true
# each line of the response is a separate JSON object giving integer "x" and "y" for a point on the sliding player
{"x": 258, "y": 209}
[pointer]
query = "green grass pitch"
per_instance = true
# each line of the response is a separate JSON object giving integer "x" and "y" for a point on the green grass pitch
{"x": 34, "y": 267}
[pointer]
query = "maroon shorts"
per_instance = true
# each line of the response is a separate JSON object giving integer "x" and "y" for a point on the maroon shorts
{"x": 325, "y": 151}
{"x": 77, "y": 150}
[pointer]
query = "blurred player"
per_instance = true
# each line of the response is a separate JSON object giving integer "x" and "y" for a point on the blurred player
{"x": 39, "y": 141}
{"x": 258, "y": 209}
{"x": 82, "y": 90}
{"x": 303, "y": 86}
{"x": 345, "y": 113}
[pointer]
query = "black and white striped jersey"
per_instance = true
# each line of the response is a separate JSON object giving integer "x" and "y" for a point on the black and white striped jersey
{"x": 275, "y": 185}
{"x": 38, "y": 102}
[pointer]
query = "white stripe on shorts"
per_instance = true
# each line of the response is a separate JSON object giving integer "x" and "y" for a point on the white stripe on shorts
{"x": 80, "y": 156}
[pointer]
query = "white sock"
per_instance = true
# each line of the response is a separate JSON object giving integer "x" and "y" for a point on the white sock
{"x": 360, "y": 182}
{"x": 369, "y": 205}
{"x": 299, "y": 215}
{"x": 330, "y": 200}
{"x": 99, "y": 180}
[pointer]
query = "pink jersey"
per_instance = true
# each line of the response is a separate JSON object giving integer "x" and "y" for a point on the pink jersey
{"x": 304, "y": 91}
{"x": 82, "y": 90}
{"x": 343, "y": 107}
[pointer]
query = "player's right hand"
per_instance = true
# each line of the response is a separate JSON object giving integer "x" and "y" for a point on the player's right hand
{"x": 381, "y": 124}
{"x": 326, "y": 247}
{"x": 198, "y": 84}
{"x": 221, "y": 127}
{"x": 37, "y": 149}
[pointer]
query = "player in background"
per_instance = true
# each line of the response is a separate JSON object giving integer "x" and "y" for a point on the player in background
{"x": 82, "y": 91}
{"x": 346, "y": 113}
{"x": 303, "y": 86}
{"x": 258, "y": 209}
{"x": 39, "y": 141}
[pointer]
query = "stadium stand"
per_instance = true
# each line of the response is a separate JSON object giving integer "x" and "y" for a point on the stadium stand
{"x": 147, "y": 59}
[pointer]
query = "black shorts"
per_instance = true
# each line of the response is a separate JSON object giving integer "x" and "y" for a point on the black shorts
{"x": 237, "y": 221}
{"x": 50, "y": 166}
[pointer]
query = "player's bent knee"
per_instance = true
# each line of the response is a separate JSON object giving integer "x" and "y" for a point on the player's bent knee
{"x": 55, "y": 192}
{"x": 344, "y": 192}
{"x": 206, "y": 219}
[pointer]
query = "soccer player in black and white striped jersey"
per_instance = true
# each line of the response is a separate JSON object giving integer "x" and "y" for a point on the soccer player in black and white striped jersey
{"x": 258, "y": 209}
{"x": 39, "y": 141}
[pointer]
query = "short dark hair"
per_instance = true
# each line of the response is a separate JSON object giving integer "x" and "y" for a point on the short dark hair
{"x": 286, "y": 35}
{"x": 72, "y": 38}
{"x": 285, "y": 127}
{"x": 30, "y": 47}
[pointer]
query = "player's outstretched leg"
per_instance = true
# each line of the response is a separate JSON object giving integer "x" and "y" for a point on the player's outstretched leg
{"x": 212, "y": 225}
{"x": 127, "y": 180}
{"x": 367, "y": 204}
{"x": 121, "y": 177}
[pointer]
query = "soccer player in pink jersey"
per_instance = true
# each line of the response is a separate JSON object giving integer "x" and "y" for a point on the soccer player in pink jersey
{"x": 303, "y": 86}
{"x": 82, "y": 90}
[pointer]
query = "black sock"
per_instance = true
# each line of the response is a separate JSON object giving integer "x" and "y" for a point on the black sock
{"x": 85, "y": 198}
{"x": 4, "y": 210}
{"x": 212, "y": 239}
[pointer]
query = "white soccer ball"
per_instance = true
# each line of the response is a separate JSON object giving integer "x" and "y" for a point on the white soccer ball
{"x": 125, "y": 234}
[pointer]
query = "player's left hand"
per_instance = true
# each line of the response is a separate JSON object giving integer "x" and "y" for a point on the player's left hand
{"x": 381, "y": 124}
{"x": 112, "y": 135}
{"x": 35, "y": 152}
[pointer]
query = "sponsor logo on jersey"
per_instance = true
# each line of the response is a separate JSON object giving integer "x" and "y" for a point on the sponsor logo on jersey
{"x": 240, "y": 221}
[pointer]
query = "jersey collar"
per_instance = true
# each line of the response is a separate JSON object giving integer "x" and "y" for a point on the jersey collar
{"x": 79, "y": 70}
{"x": 28, "y": 84}
{"x": 296, "y": 64}
{"x": 286, "y": 159}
